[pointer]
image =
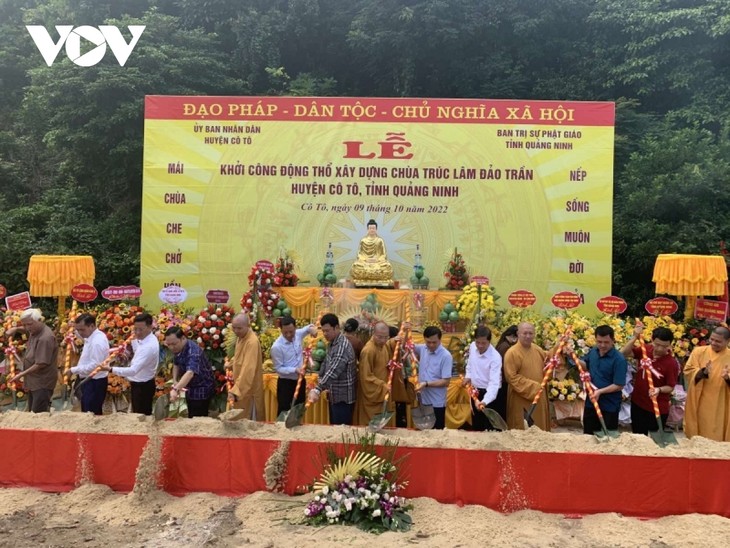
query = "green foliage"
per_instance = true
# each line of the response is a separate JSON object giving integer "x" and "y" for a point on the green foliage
{"x": 71, "y": 137}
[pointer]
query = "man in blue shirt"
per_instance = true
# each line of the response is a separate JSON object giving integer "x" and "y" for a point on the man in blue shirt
{"x": 434, "y": 373}
{"x": 191, "y": 373}
{"x": 607, "y": 368}
{"x": 286, "y": 353}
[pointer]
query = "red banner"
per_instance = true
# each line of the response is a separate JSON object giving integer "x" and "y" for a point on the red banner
{"x": 661, "y": 306}
{"x": 380, "y": 109}
{"x": 522, "y": 298}
{"x": 566, "y": 300}
{"x": 611, "y": 305}
{"x": 708, "y": 309}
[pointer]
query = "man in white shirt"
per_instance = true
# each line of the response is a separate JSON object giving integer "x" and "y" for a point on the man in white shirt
{"x": 286, "y": 353}
{"x": 143, "y": 367}
{"x": 484, "y": 371}
{"x": 95, "y": 351}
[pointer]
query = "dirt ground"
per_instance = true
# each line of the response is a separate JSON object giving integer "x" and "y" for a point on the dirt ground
{"x": 92, "y": 515}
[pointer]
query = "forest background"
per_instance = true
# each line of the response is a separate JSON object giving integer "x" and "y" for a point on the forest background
{"x": 71, "y": 137}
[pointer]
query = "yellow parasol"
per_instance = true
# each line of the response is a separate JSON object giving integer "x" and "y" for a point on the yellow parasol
{"x": 56, "y": 275}
{"x": 690, "y": 276}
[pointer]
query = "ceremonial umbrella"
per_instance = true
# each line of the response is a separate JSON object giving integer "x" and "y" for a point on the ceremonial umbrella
{"x": 56, "y": 276}
{"x": 690, "y": 276}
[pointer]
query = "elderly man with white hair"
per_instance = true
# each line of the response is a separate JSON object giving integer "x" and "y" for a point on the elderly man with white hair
{"x": 40, "y": 372}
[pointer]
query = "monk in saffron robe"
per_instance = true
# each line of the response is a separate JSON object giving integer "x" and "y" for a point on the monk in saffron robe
{"x": 373, "y": 373}
{"x": 707, "y": 375}
{"x": 523, "y": 370}
{"x": 247, "y": 392}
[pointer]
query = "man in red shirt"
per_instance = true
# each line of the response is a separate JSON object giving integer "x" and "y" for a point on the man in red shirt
{"x": 664, "y": 371}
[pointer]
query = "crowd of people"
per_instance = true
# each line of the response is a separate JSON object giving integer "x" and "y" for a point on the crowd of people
{"x": 506, "y": 377}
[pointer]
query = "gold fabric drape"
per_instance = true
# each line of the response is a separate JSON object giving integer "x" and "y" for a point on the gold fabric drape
{"x": 458, "y": 409}
{"x": 690, "y": 275}
{"x": 56, "y": 275}
{"x": 303, "y": 300}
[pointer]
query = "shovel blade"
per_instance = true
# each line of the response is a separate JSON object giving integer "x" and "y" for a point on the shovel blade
{"x": 662, "y": 438}
{"x": 423, "y": 417}
{"x": 528, "y": 415}
{"x": 161, "y": 408}
{"x": 496, "y": 419}
{"x": 295, "y": 416}
{"x": 379, "y": 421}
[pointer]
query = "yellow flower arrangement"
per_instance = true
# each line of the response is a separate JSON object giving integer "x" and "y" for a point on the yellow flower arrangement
{"x": 681, "y": 346}
{"x": 467, "y": 303}
{"x": 563, "y": 390}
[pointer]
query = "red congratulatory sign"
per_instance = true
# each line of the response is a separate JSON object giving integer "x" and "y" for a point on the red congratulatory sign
{"x": 522, "y": 298}
{"x": 84, "y": 293}
{"x": 611, "y": 305}
{"x": 708, "y": 309}
{"x": 661, "y": 306}
{"x": 566, "y": 300}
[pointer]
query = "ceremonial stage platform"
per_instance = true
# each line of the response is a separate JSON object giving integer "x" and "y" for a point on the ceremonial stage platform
{"x": 506, "y": 481}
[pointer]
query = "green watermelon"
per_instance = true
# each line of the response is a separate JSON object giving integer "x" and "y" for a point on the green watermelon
{"x": 443, "y": 316}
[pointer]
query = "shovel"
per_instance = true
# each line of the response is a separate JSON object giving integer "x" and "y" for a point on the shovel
{"x": 660, "y": 437}
{"x": 296, "y": 415}
{"x": 423, "y": 416}
{"x": 604, "y": 433}
{"x": 495, "y": 418}
{"x": 378, "y": 422}
{"x": 285, "y": 414}
{"x": 161, "y": 408}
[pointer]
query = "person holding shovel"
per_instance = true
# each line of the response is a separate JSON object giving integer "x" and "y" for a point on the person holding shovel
{"x": 523, "y": 369}
{"x": 247, "y": 393}
{"x": 434, "y": 373}
{"x": 664, "y": 370}
{"x": 607, "y": 369}
{"x": 373, "y": 372}
{"x": 191, "y": 373}
{"x": 483, "y": 371}
{"x": 286, "y": 353}
{"x": 39, "y": 373}
{"x": 143, "y": 366}
{"x": 94, "y": 352}
{"x": 338, "y": 374}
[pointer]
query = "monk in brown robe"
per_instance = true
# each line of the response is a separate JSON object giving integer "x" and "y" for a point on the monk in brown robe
{"x": 707, "y": 374}
{"x": 247, "y": 392}
{"x": 373, "y": 372}
{"x": 523, "y": 370}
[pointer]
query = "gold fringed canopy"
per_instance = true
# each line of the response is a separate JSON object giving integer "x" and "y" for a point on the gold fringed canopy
{"x": 56, "y": 275}
{"x": 690, "y": 275}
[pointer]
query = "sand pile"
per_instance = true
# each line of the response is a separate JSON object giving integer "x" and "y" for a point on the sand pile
{"x": 530, "y": 440}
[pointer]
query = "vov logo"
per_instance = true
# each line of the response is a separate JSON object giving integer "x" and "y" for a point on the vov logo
{"x": 99, "y": 37}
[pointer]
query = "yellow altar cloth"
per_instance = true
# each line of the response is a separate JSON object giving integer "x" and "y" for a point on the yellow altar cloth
{"x": 458, "y": 409}
{"x": 303, "y": 300}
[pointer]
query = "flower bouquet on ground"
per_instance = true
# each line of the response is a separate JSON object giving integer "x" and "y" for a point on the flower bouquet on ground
{"x": 361, "y": 489}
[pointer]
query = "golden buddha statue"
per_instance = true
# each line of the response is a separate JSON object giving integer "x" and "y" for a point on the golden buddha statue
{"x": 371, "y": 268}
